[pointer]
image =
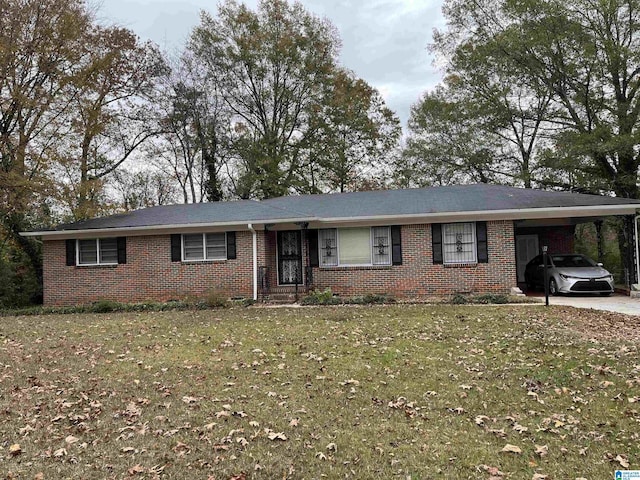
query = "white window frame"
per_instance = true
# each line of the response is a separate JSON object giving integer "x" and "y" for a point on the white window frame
{"x": 97, "y": 262}
{"x": 474, "y": 242}
{"x": 204, "y": 248}
{"x": 355, "y": 265}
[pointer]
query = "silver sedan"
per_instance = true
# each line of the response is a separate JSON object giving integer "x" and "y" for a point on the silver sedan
{"x": 570, "y": 273}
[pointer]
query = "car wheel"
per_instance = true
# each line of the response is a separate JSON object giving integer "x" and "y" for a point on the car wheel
{"x": 553, "y": 287}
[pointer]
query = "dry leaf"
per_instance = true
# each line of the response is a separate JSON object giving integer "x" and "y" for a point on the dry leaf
{"x": 321, "y": 456}
{"x": 71, "y": 439}
{"x": 15, "y": 449}
{"x": 481, "y": 420}
{"x": 622, "y": 460}
{"x": 542, "y": 450}
{"x": 539, "y": 476}
{"x": 332, "y": 447}
{"x": 136, "y": 469}
{"x": 276, "y": 436}
{"x": 294, "y": 422}
{"x": 511, "y": 449}
{"x": 61, "y": 452}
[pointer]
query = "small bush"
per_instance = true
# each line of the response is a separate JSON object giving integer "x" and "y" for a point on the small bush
{"x": 487, "y": 298}
{"x": 105, "y": 306}
{"x": 215, "y": 299}
{"x": 324, "y": 297}
{"x": 459, "y": 299}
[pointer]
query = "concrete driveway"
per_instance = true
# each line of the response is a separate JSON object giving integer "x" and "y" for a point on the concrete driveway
{"x": 614, "y": 303}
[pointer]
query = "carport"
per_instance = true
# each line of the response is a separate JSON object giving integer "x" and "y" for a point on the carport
{"x": 558, "y": 234}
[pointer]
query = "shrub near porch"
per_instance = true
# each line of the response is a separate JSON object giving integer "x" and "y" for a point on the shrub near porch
{"x": 357, "y": 392}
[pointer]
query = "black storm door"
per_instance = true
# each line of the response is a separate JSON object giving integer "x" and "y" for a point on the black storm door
{"x": 289, "y": 257}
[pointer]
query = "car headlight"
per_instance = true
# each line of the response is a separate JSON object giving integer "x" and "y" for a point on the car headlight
{"x": 567, "y": 277}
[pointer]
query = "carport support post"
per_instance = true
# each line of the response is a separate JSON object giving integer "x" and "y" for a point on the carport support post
{"x": 545, "y": 262}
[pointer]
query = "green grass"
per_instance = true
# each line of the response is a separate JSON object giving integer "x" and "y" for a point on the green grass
{"x": 416, "y": 392}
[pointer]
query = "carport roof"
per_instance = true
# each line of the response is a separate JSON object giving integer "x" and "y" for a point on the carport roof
{"x": 447, "y": 203}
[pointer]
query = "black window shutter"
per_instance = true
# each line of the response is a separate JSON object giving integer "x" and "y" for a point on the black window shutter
{"x": 436, "y": 242}
{"x": 231, "y": 245}
{"x": 71, "y": 252}
{"x": 396, "y": 245}
{"x": 481, "y": 238}
{"x": 122, "y": 249}
{"x": 176, "y": 247}
{"x": 314, "y": 258}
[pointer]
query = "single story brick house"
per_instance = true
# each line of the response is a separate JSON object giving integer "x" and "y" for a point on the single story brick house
{"x": 408, "y": 243}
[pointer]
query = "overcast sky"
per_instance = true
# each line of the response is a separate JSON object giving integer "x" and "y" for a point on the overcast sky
{"x": 383, "y": 41}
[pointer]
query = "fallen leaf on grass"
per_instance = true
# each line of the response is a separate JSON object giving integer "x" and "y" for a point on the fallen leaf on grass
{"x": 539, "y": 476}
{"x": 508, "y": 448}
{"x": 276, "y": 436}
{"x": 493, "y": 471}
{"x": 542, "y": 450}
{"x": 71, "y": 439}
{"x": 332, "y": 447}
{"x": 622, "y": 460}
{"x": 15, "y": 449}
{"x": 481, "y": 420}
{"x": 136, "y": 469}
{"x": 61, "y": 452}
{"x": 321, "y": 456}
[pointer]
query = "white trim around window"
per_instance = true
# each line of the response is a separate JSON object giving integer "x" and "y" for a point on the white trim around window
{"x": 459, "y": 243}
{"x": 202, "y": 247}
{"x": 354, "y": 247}
{"x": 97, "y": 251}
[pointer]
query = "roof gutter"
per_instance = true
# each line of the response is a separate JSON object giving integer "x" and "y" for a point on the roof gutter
{"x": 154, "y": 229}
{"x": 510, "y": 214}
{"x": 439, "y": 217}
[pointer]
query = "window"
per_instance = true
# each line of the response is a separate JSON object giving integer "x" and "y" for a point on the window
{"x": 354, "y": 246}
{"x": 98, "y": 251}
{"x": 459, "y": 243}
{"x": 381, "y": 245}
{"x": 328, "y": 246}
{"x": 204, "y": 246}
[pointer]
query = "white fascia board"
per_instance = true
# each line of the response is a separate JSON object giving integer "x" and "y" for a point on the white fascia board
{"x": 156, "y": 229}
{"x": 511, "y": 214}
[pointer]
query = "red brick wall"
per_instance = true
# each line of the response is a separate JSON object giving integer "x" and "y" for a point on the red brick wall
{"x": 559, "y": 239}
{"x": 148, "y": 275}
{"x": 419, "y": 277}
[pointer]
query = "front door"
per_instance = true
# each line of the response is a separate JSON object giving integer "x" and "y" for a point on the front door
{"x": 289, "y": 257}
{"x": 526, "y": 248}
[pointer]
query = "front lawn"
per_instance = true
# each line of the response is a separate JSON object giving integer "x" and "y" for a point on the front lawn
{"x": 414, "y": 392}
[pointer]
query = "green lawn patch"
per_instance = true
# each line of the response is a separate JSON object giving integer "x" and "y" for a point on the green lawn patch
{"x": 402, "y": 391}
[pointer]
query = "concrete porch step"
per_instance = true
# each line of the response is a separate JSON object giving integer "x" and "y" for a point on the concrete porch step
{"x": 280, "y": 297}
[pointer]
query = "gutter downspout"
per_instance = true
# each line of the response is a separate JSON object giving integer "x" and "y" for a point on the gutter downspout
{"x": 635, "y": 227}
{"x": 255, "y": 261}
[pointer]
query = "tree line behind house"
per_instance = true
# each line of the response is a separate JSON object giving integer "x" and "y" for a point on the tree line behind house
{"x": 94, "y": 121}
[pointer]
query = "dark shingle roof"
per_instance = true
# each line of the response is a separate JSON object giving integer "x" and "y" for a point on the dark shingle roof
{"x": 241, "y": 211}
{"x": 454, "y": 198}
{"x": 432, "y": 200}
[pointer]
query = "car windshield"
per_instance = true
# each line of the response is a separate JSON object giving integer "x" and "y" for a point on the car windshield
{"x": 572, "y": 261}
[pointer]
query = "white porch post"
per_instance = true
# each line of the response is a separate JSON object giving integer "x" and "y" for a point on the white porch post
{"x": 255, "y": 260}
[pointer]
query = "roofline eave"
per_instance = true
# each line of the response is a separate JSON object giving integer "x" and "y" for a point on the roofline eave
{"x": 437, "y": 217}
